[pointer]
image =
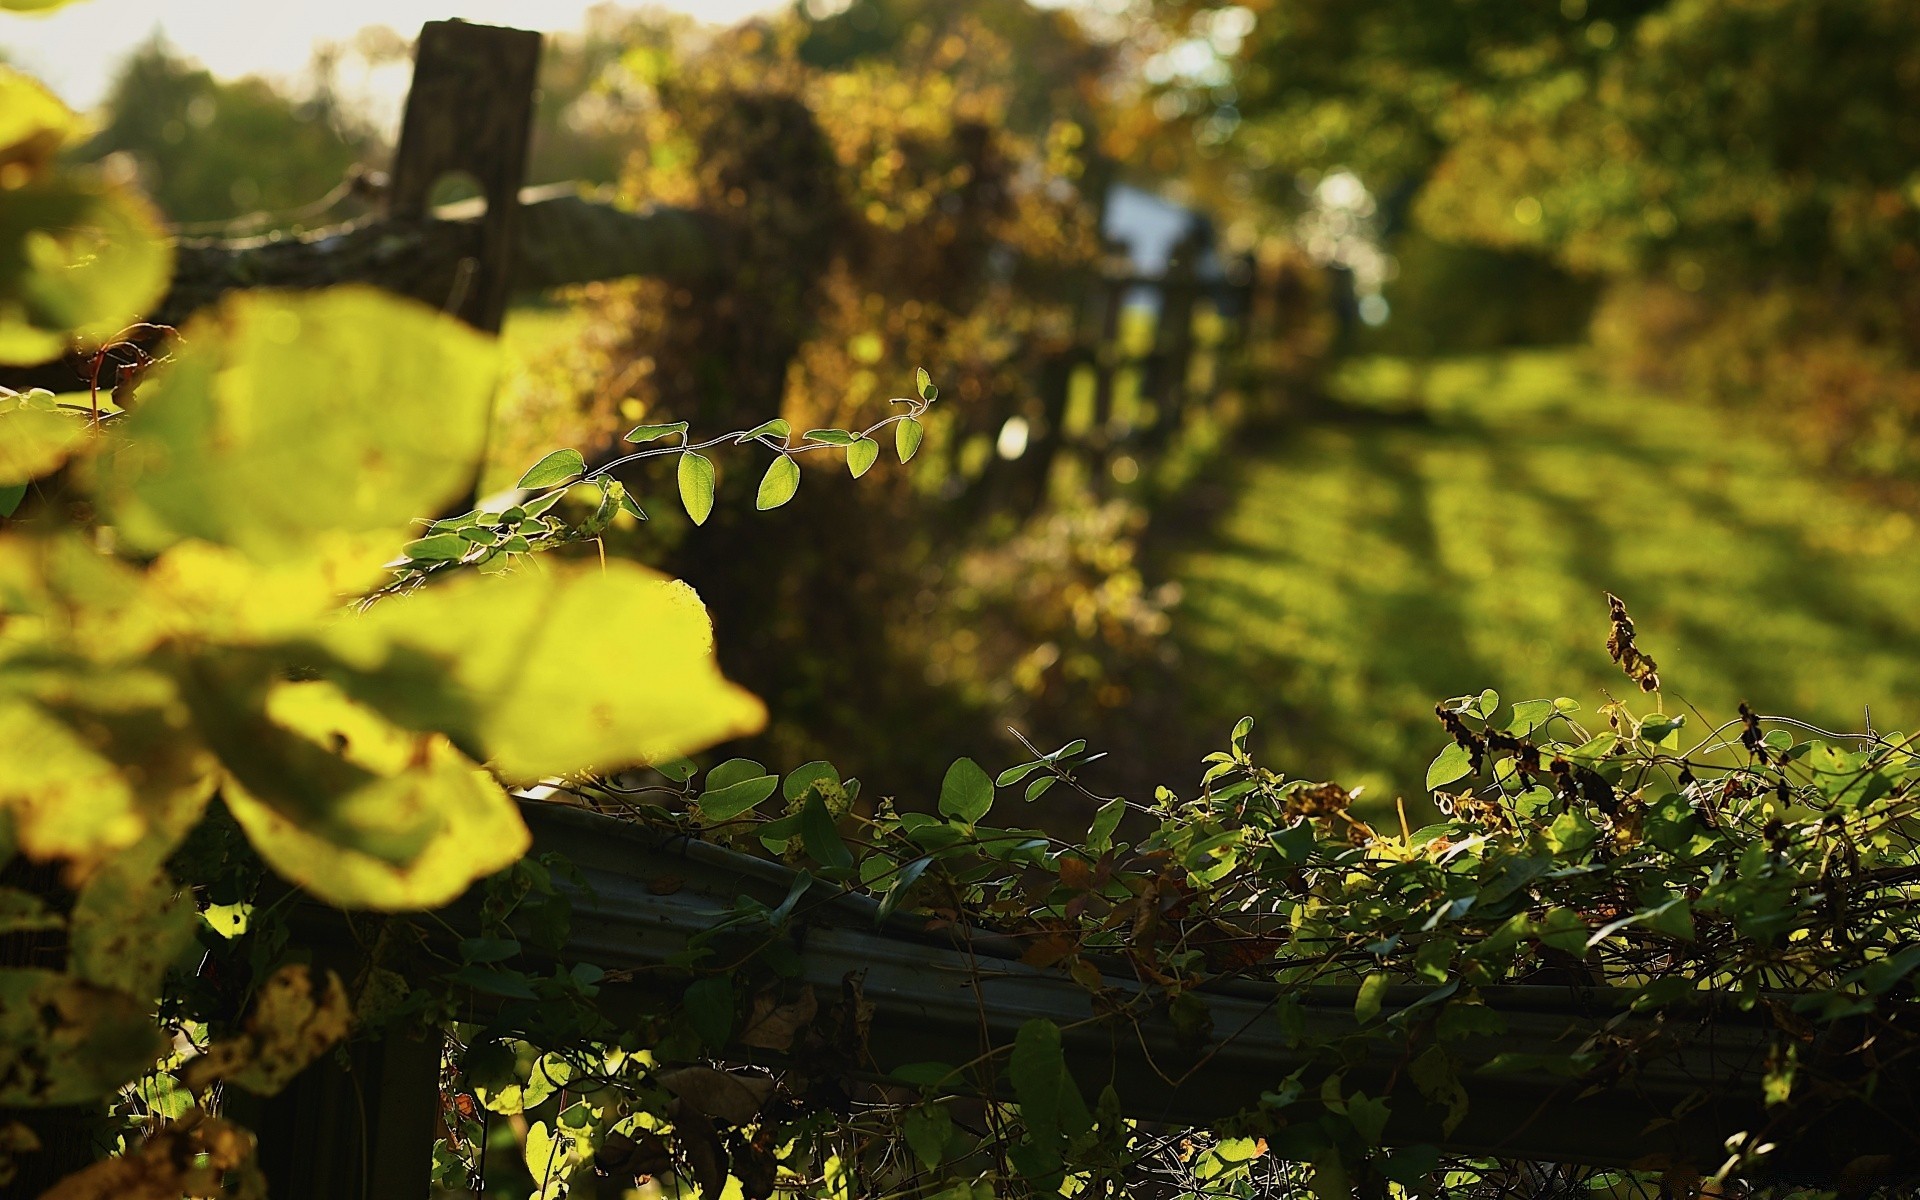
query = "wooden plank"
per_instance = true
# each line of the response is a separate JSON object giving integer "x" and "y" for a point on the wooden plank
{"x": 1683, "y": 1081}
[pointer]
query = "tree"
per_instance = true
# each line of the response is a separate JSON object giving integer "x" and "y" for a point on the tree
{"x": 212, "y": 151}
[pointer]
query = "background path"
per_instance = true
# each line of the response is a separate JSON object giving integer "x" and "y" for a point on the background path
{"x": 1444, "y": 535}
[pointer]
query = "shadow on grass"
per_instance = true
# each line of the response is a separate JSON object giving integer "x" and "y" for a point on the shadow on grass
{"x": 1457, "y": 532}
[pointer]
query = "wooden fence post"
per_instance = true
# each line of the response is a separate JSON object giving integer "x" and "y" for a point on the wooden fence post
{"x": 471, "y": 112}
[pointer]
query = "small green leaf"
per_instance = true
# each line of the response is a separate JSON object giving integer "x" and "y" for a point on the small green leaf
{"x": 774, "y": 428}
{"x": 966, "y": 793}
{"x": 556, "y": 468}
{"x": 833, "y": 437}
{"x": 1038, "y": 787}
{"x": 924, "y": 382}
{"x": 726, "y": 803}
{"x": 803, "y": 777}
{"x": 906, "y": 438}
{"x": 441, "y": 547}
{"x": 1013, "y": 775}
{"x": 696, "y": 486}
{"x": 1455, "y": 762}
{"x": 821, "y": 839}
{"x": 733, "y": 771}
{"x": 861, "y": 456}
{"x": 678, "y": 769}
{"x": 1105, "y": 821}
{"x": 779, "y": 484}
{"x": 653, "y": 433}
{"x": 1050, "y": 1103}
{"x": 632, "y": 506}
{"x": 13, "y": 494}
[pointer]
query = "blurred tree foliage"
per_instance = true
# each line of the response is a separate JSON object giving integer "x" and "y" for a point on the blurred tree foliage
{"x": 1740, "y": 171}
{"x": 209, "y": 150}
{"x": 900, "y": 185}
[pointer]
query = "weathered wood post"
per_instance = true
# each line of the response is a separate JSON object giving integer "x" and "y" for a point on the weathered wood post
{"x": 470, "y": 112}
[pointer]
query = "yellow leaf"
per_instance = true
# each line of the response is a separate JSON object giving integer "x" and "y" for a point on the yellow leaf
{"x": 34, "y": 124}
{"x": 197, "y": 1155}
{"x": 129, "y": 925}
{"x": 80, "y": 259}
{"x": 291, "y": 1024}
{"x": 576, "y": 669}
{"x": 292, "y": 427}
{"x": 455, "y": 821}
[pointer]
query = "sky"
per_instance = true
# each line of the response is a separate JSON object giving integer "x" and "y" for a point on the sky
{"x": 74, "y": 49}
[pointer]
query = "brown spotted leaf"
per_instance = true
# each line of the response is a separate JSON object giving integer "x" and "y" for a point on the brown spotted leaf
{"x": 293, "y": 1022}
{"x": 772, "y": 1025}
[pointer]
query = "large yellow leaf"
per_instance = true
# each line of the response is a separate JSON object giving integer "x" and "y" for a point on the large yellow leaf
{"x": 94, "y": 763}
{"x": 470, "y": 826}
{"x": 548, "y": 672}
{"x": 294, "y": 426}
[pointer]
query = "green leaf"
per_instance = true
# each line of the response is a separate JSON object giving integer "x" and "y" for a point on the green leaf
{"x": 225, "y": 445}
{"x": 906, "y": 438}
{"x": 575, "y": 668}
{"x": 924, "y": 382}
{"x": 927, "y": 1129}
{"x": 1454, "y": 763}
{"x": 1038, "y": 787}
{"x": 653, "y": 433}
{"x": 1373, "y": 990}
{"x": 729, "y": 801}
{"x": 803, "y": 777}
{"x": 1015, "y": 774}
{"x": 775, "y": 428}
{"x": 821, "y": 839}
{"x": 779, "y": 484}
{"x": 441, "y": 547}
{"x": 966, "y": 794}
{"x": 696, "y": 486}
{"x": 562, "y": 466}
{"x": 733, "y": 771}
{"x": 1105, "y": 821}
{"x": 1050, "y": 1103}
{"x": 10, "y": 497}
{"x": 833, "y": 437}
{"x": 861, "y": 456}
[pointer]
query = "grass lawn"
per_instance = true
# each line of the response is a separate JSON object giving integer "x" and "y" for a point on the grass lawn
{"x": 1457, "y": 532}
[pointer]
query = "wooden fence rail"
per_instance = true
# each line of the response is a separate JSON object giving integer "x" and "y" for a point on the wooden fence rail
{"x": 1678, "y": 1084}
